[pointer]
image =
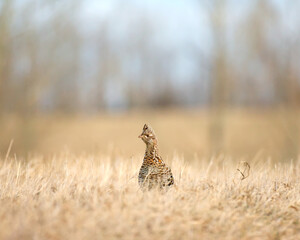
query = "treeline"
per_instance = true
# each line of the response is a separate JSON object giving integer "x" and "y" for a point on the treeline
{"x": 52, "y": 59}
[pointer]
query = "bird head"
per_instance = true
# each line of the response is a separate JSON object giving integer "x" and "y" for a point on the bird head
{"x": 148, "y": 135}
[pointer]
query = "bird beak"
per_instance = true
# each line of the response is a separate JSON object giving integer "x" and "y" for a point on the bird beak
{"x": 140, "y": 136}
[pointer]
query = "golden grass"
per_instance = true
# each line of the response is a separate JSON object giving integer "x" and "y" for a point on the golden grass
{"x": 97, "y": 197}
{"x": 80, "y": 179}
{"x": 273, "y": 133}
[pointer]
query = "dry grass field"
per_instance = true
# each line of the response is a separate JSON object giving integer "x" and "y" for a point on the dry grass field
{"x": 97, "y": 197}
{"x": 81, "y": 182}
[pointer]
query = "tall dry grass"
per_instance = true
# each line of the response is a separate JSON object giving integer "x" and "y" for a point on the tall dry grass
{"x": 97, "y": 197}
{"x": 79, "y": 179}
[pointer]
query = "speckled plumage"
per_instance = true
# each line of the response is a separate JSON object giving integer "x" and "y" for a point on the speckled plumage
{"x": 153, "y": 172}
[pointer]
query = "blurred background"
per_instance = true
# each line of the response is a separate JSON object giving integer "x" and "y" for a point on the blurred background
{"x": 211, "y": 76}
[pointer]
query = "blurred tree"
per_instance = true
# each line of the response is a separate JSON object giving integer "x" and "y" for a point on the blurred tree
{"x": 6, "y": 49}
{"x": 42, "y": 64}
{"x": 67, "y": 46}
{"x": 220, "y": 88}
{"x": 275, "y": 60}
{"x": 103, "y": 66}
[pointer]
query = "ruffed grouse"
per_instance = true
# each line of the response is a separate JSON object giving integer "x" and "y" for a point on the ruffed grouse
{"x": 153, "y": 172}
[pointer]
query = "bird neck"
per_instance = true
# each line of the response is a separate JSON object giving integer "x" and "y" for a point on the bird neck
{"x": 151, "y": 150}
